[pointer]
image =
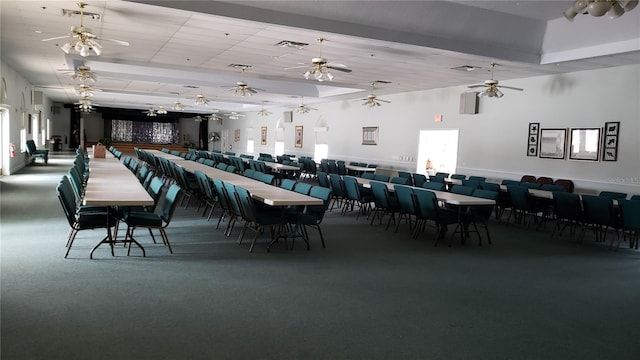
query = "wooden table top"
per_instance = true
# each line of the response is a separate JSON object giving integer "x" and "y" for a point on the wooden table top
{"x": 111, "y": 183}
{"x": 448, "y": 197}
{"x": 268, "y": 194}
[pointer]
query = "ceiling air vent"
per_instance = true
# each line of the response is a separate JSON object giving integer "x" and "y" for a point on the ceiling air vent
{"x": 466, "y": 68}
{"x": 239, "y": 66}
{"x": 291, "y": 44}
{"x": 69, "y": 12}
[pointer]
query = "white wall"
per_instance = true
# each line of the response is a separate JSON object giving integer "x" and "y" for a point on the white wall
{"x": 493, "y": 142}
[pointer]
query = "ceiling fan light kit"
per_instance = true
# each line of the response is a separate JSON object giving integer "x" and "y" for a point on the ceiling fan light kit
{"x": 612, "y": 8}
{"x": 492, "y": 89}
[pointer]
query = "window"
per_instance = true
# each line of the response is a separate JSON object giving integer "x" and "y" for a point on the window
{"x": 320, "y": 152}
{"x": 438, "y": 151}
{"x": 250, "y": 146}
{"x": 279, "y": 150}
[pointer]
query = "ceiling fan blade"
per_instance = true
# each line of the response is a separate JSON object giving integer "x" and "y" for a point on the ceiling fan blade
{"x": 339, "y": 67}
{"x": 120, "y": 42}
{"x": 476, "y": 86}
{"x": 297, "y": 67}
{"x": 510, "y": 87}
{"x": 251, "y": 90}
{"x": 57, "y": 38}
{"x": 384, "y": 101}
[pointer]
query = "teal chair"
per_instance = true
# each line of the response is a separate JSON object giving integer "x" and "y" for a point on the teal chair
{"x": 249, "y": 173}
{"x": 223, "y": 202}
{"x": 208, "y": 195}
{"x": 288, "y": 184}
{"x": 323, "y": 179}
{"x": 567, "y": 210}
{"x": 222, "y": 166}
{"x": 552, "y": 187}
{"x": 634, "y": 197}
{"x": 368, "y": 175}
{"x": 462, "y": 190}
{"x": 256, "y": 218}
{"x": 600, "y": 215}
{"x": 419, "y": 179}
{"x": 337, "y": 189}
{"x": 428, "y": 210}
{"x": 479, "y": 215}
{"x": 380, "y": 177}
{"x": 459, "y": 176}
{"x": 521, "y": 204}
{"x": 354, "y": 197}
{"x": 405, "y": 174}
{"x": 399, "y": 180}
{"x": 313, "y": 214}
{"x": 81, "y": 220}
{"x": 613, "y": 195}
{"x": 630, "y": 213}
{"x": 406, "y": 204}
{"x": 35, "y": 153}
{"x": 478, "y": 178}
{"x": 437, "y": 186}
{"x": 384, "y": 203}
{"x": 150, "y": 220}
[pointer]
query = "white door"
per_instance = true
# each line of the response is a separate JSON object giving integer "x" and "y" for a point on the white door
{"x": 437, "y": 151}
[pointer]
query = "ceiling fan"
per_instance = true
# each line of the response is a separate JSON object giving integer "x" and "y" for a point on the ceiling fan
{"x": 83, "y": 41}
{"x": 85, "y": 105}
{"x": 151, "y": 112}
{"x": 215, "y": 117}
{"x": 492, "y": 89}
{"x": 201, "y": 100}
{"x": 320, "y": 67}
{"x": 84, "y": 90}
{"x": 161, "y": 110}
{"x": 242, "y": 89}
{"x": 372, "y": 100}
{"x": 302, "y": 108}
{"x": 263, "y": 111}
{"x": 82, "y": 73}
{"x": 234, "y": 115}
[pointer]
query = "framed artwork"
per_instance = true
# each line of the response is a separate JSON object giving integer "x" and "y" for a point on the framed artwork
{"x": 298, "y": 137}
{"x": 610, "y": 145}
{"x": 236, "y": 135}
{"x": 263, "y": 135}
{"x": 553, "y": 143}
{"x": 370, "y": 135}
{"x": 532, "y": 139}
{"x": 584, "y": 144}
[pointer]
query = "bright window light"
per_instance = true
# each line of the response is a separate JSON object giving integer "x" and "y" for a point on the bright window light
{"x": 320, "y": 152}
{"x": 279, "y": 150}
{"x": 250, "y": 148}
{"x": 23, "y": 140}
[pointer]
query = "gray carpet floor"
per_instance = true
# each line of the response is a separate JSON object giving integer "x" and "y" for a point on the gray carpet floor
{"x": 371, "y": 294}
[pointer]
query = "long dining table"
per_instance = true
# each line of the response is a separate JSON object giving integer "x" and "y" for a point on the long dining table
{"x": 112, "y": 184}
{"x": 459, "y": 201}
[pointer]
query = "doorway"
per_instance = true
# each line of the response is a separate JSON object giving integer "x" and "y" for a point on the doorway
{"x": 437, "y": 151}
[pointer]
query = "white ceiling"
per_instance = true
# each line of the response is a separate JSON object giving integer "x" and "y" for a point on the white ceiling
{"x": 183, "y": 48}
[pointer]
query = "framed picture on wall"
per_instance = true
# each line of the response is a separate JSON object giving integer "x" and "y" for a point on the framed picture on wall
{"x": 370, "y": 135}
{"x": 236, "y": 135}
{"x": 298, "y": 137}
{"x": 553, "y": 143}
{"x": 263, "y": 135}
{"x": 584, "y": 144}
{"x": 610, "y": 145}
{"x": 532, "y": 139}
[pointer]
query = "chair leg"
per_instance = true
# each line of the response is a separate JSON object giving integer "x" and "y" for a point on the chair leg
{"x": 70, "y": 242}
{"x": 165, "y": 239}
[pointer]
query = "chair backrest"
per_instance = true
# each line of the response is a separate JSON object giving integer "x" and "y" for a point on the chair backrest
{"x": 351, "y": 188}
{"x": 68, "y": 201}
{"x": 249, "y": 173}
{"x": 433, "y": 185}
{"x": 399, "y": 180}
{"x": 598, "y": 209}
{"x": 437, "y": 178}
{"x": 427, "y": 204}
{"x": 337, "y": 184}
{"x": 406, "y": 174}
{"x": 342, "y": 169}
{"x": 443, "y": 174}
{"x": 552, "y": 187}
{"x": 243, "y": 198}
{"x": 471, "y": 183}
{"x": 478, "y": 178}
{"x": 490, "y": 186}
{"x": 204, "y": 183}
{"x": 288, "y": 184}
{"x": 542, "y": 180}
{"x": 380, "y": 193}
{"x": 234, "y": 205}
{"x": 510, "y": 182}
{"x": 406, "y": 199}
{"x": 230, "y": 169}
{"x": 368, "y": 175}
{"x": 419, "y": 179}
{"x": 458, "y": 176}
{"x": 567, "y": 205}
{"x": 528, "y": 178}
{"x": 31, "y": 147}
{"x": 302, "y": 188}
{"x": 268, "y": 178}
{"x": 380, "y": 177}
{"x": 484, "y": 211}
{"x": 634, "y": 197}
{"x": 318, "y": 211}
{"x": 614, "y": 195}
{"x": 142, "y": 173}
{"x": 223, "y": 200}
{"x": 630, "y": 212}
{"x": 519, "y": 196}
{"x": 147, "y": 180}
{"x": 530, "y": 185}
{"x": 323, "y": 179}
{"x": 567, "y": 184}
{"x": 462, "y": 190}
{"x": 222, "y": 166}
{"x": 209, "y": 162}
